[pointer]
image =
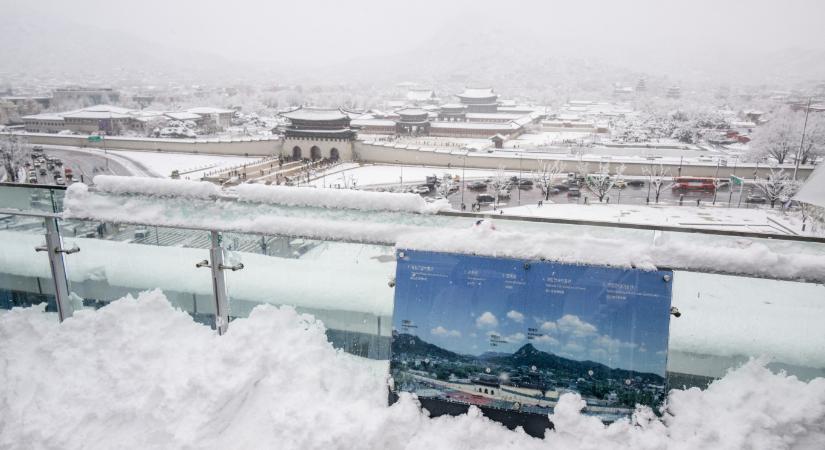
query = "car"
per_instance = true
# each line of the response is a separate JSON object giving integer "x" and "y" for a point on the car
{"x": 755, "y": 198}
{"x": 621, "y": 184}
{"x": 477, "y": 186}
{"x": 59, "y": 181}
{"x": 503, "y": 193}
{"x": 561, "y": 187}
{"x": 635, "y": 183}
{"x": 42, "y": 171}
{"x": 33, "y": 180}
{"x": 574, "y": 192}
{"x": 483, "y": 199}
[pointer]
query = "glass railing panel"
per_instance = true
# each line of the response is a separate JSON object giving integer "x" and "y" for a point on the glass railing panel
{"x": 345, "y": 285}
{"x": 725, "y": 320}
{"x": 116, "y": 260}
{"x": 25, "y": 274}
{"x": 31, "y": 198}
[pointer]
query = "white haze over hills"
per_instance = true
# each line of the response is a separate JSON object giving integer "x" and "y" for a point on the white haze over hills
{"x": 515, "y": 46}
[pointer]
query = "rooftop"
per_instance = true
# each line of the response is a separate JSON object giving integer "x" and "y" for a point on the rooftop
{"x": 478, "y": 93}
{"x": 315, "y": 114}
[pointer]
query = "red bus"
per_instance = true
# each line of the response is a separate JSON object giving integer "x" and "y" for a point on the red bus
{"x": 693, "y": 184}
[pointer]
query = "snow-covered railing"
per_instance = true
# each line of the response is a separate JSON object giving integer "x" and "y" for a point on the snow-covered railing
{"x": 337, "y": 198}
{"x": 405, "y": 227}
{"x": 160, "y": 187}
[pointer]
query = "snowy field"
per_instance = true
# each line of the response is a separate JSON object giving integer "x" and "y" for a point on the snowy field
{"x": 191, "y": 166}
{"x": 139, "y": 374}
{"x": 387, "y": 175}
{"x": 733, "y": 219}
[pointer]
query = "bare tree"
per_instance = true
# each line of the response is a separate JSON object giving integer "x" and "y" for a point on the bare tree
{"x": 546, "y": 174}
{"x": 601, "y": 182}
{"x": 777, "y": 186}
{"x": 446, "y": 187}
{"x": 655, "y": 179}
{"x": 13, "y": 153}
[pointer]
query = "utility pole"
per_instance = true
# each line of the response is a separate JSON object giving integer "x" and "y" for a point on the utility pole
{"x": 463, "y": 178}
{"x": 518, "y": 184}
{"x": 802, "y": 141}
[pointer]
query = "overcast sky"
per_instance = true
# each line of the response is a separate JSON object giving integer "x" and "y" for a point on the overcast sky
{"x": 324, "y": 31}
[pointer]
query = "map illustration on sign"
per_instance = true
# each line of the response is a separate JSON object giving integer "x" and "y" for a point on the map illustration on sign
{"x": 515, "y": 335}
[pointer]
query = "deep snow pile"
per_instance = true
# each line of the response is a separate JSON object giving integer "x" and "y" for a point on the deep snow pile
{"x": 138, "y": 374}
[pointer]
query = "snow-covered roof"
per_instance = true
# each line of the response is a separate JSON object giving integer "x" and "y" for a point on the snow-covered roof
{"x": 494, "y": 116}
{"x": 453, "y": 106}
{"x": 45, "y": 116}
{"x": 411, "y": 112}
{"x": 315, "y": 114}
{"x": 476, "y": 125}
{"x": 813, "y": 191}
{"x": 183, "y": 115}
{"x": 373, "y": 123}
{"x": 209, "y": 110}
{"x": 87, "y": 114}
{"x": 478, "y": 93}
{"x": 108, "y": 108}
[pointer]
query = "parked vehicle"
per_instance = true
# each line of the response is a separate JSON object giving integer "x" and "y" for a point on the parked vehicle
{"x": 504, "y": 193}
{"x": 477, "y": 186}
{"x": 485, "y": 199}
{"x": 755, "y": 198}
{"x": 42, "y": 171}
{"x": 621, "y": 184}
{"x": 574, "y": 192}
{"x": 635, "y": 183}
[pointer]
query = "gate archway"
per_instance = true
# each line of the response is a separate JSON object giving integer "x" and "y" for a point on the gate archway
{"x": 334, "y": 155}
{"x": 315, "y": 153}
{"x": 296, "y": 153}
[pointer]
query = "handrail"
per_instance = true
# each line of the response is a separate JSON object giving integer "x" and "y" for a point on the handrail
{"x": 33, "y": 186}
{"x": 637, "y": 226}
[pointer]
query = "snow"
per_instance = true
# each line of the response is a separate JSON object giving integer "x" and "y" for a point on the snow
{"x": 762, "y": 220}
{"x": 388, "y": 175}
{"x": 189, "y": 165}
{"x": 151, "y": 186}
{"x": 586, "y": 245}
{"x": 139, "y": 374}
{"x": 337, "y": 198}
{"x": 712, "y": 254}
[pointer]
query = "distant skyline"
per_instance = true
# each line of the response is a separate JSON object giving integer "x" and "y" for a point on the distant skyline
{"x": 679, "y": 39}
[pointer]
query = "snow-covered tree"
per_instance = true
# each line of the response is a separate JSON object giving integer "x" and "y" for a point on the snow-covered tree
{"x": 601, "y": 182}
{"x": 656, "y": 175}
{"x": 546, "y": 174}
{"x": 814, "y": 144}
{"x": 781, "y": 137}
{"x": 776, "y": 186}
{"x": 500, "y": 181}
{"x": 13, "y": 152}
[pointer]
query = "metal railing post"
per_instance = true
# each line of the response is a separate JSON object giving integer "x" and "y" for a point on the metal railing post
{"x": 219, "y": 284}
{"x": 55, "y": 251}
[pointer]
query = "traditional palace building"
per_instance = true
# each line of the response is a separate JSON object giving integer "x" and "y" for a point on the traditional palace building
{"x": 317, "y": 134}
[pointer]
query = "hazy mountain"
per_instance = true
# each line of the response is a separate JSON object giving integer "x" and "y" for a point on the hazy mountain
{"x": 48, "y": 47}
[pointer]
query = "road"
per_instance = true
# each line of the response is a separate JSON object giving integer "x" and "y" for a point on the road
{"x": 86, "y": 163}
